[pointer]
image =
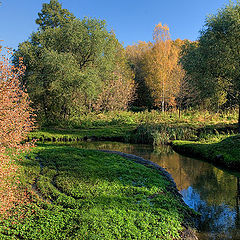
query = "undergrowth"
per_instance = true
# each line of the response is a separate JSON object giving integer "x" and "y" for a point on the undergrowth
{"x": 84, "y": 194}
{"x": 152, "y": 127}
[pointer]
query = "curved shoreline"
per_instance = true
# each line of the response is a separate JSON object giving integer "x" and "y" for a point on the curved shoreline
{"x": 188, "y": 233}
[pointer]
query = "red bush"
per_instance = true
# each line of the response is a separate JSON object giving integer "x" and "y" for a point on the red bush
{"x": 15, "y": 123}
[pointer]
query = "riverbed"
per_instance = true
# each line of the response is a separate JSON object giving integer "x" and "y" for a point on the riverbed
{"x": 211, "y": 191}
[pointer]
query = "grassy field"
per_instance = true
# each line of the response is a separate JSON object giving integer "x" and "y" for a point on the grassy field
{"x": 205, "y": 132}
{"x": 84, "y": 194}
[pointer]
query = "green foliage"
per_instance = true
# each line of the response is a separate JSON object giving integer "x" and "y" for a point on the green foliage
{"x": 73, "y": 67}
{"x": 213, "y": 61}
{"x": 95, "y": 195}
{"x": 117, "y": 133}
{"x": 53, "y": 15}
{"x": 143, "y": 127}
{"x": 163, "y": 133}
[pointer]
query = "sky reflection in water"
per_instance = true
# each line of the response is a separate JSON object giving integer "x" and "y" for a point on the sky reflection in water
{"x": 205, "y": 188}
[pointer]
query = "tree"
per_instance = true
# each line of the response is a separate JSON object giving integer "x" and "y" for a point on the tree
{"x": 136, "y": 58}
{"x": 208, "y": 93}
{"x": 118, "y": 90}
{"x": 15, "y": 112}
{"x": 217, "y": 55}
{"x": 53, "y": 15}
{"x": 69, "y": 67}
{"x": 161, "y": 67}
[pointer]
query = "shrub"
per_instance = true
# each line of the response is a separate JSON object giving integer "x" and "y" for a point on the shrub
{"x": 15, "y": 123}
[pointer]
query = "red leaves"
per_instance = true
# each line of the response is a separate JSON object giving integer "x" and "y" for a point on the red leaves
{"x": 15, "y": 113}
{"x": 15, "y": 123}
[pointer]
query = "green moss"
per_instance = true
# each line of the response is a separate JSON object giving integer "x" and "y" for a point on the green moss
{"x": 95, "y": 195}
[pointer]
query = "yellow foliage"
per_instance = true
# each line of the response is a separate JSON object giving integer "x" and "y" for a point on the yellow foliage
{"x": 163, "y": 72}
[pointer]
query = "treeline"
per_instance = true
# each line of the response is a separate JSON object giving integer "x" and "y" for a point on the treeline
{"x": 75, "y": 66}
{"x": 159, "y": 76}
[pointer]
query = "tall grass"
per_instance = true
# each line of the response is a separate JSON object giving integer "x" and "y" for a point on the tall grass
{"x": 188, "y": 117}
{"x": 162, "y": 134}
{"x": 151, "y": 127}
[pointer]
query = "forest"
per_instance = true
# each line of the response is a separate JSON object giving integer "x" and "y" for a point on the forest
{"x": 72, "y": 87}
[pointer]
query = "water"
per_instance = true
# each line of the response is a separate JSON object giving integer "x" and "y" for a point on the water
{"x": 205, "y": 188}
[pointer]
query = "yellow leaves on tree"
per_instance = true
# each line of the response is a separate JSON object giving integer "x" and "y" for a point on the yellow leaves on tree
{"x": 15, "y": 113}
{"x": 163, "y": 72}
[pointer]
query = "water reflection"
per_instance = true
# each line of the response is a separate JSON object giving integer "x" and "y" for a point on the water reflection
{"x": 211, "y": 191}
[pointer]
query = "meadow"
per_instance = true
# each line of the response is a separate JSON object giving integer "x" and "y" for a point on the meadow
{"x": 200, "y": 134}
{"x": 153, "y": 127}
{"x": 85, "y": 194}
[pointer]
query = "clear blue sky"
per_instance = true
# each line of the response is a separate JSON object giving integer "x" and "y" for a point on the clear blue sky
{"x": 131, "y": 20}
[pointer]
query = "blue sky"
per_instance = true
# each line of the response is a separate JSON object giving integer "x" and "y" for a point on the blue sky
{"x": 131, "y": 20}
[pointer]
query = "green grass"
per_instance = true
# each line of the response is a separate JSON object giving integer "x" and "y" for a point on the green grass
{"x": 117, "y": 132}
{"x": 198, "y": 118}
{"x": 86, "y": 194}
{"x": 144, "y": 127}
{"x": 222, "y": 150}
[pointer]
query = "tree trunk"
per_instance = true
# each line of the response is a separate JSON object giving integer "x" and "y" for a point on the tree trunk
{"x": 163, "y": 96}
{"x": 163, "y": 105}
{"x": 179, "y": 111}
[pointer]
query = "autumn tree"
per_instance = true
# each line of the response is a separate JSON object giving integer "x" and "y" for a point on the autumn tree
{"x": 15, "y": 123}
{"x": 162, "y": 68}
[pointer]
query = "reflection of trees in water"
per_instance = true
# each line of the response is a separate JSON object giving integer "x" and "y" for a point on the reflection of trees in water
{"x": 173, "y": 164}
{"x": 216, "y": 221}
{"x": 214, "y": 185}
{"x": 237, "y": 204}
{"x": 141, "y": 149}
{"x": 218, "y": 204}
{"x": 162, "y": 149}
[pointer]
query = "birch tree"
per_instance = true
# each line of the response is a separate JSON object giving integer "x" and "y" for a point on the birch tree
{"x": 161, "y": 64}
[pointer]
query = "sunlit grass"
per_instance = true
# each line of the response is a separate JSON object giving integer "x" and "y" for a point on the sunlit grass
{"x": 84, "y": 194}
{"x": 152, "y": 127}
{"x": 221, "y": 150}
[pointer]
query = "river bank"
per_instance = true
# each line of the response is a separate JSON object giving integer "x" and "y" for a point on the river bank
{"x": 154, "y": 134}
{"x": 214, "y": 143}
{"x": 88, "y": 194}
{"x": 223, "y": 152}
{"x": 188, "y": 232}
{"x": 150, "y": 127}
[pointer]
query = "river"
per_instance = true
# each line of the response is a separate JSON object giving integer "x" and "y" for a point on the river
{"x": 213, "y": 192}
